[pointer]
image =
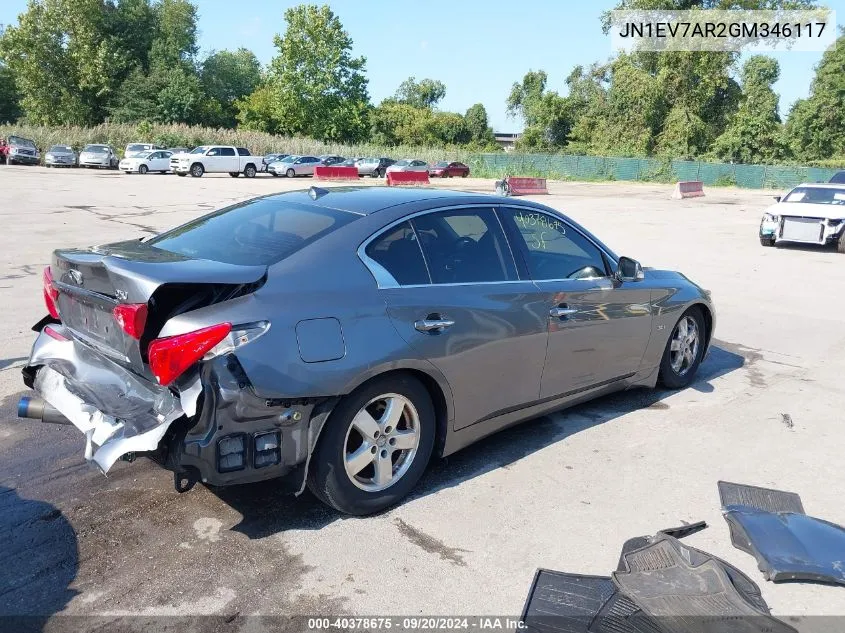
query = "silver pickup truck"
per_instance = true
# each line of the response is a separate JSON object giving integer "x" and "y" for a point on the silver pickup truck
{"x": 215, "y": 159}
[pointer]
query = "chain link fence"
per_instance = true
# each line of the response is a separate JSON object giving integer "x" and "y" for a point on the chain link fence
{"x": 597, "y": 168}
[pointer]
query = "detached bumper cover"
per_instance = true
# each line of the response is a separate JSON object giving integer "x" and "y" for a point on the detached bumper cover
{"x": 117, "y": 411}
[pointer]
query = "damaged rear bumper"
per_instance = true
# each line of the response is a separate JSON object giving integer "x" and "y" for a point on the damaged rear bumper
{"x": 210, "y": 426}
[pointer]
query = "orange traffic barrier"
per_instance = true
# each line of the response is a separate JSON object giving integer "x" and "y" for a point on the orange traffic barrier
{"x": 407, "y": 178}
{"x": 335, "y": 173}
{"x": 688, "y": 189}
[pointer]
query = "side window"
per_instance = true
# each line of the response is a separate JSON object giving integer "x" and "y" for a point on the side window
{"x": 398, "y": 252}
{"x": 243, "y": 151}
{"x": 553, "y": 249}
{"x": 213, "y": 152}
{"x": 227, "y": 151}
{"x": 464, "y": 246}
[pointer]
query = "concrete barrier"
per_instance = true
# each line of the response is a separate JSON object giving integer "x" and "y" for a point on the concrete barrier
{"x": 522, "y": 186}
{"x": 395, "y": 178}
{"x": 335, "y": 173}
{"x": 688, "y": 189}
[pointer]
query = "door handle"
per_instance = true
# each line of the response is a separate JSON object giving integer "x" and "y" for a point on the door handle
{"x": 562, "y": 312}
{"x": 433, "y": 325}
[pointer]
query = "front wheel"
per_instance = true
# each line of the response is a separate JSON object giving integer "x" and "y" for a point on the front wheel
{"x": 684, "y": 351}
{"x": 143, "y": 169}
{"x": 197, "y": 170}
{"x": 290, "y": 173}
{"x": 767, "y": 241}
{"x": 840, "y": 243}
{"x": 375, "y": 446}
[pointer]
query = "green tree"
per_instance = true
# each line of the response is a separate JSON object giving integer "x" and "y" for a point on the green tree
{"x": 257, "y": 111}
{"x": 754, "y": 135}
{"x": 175, "y": 39}
{"x": 815, "y": 128}
{"x": 426, "y": 93}
{"x": 478, "y": 126}
{"x": 228, "y": 76}
{"x": 320, "y": 89}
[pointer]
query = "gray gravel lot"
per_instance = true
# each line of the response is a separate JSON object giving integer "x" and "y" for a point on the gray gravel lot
{"x": 562, "y": 492}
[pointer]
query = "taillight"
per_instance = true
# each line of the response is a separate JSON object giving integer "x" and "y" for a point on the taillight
{"x": 51, "y": 295}
{"x": 131, "y": 317}
{"x": 170, "y": 357}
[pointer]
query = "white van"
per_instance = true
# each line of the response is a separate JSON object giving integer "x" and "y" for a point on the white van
{"x": 134, "y": 150}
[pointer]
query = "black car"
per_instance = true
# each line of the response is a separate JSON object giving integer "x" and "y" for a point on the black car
{"x": 838, "y": 178}
{"x": 331, "y": 159}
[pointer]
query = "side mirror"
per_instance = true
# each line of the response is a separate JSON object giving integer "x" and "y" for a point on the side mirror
{"x": 778, "y": 198}
{"x": 629, "y": 270}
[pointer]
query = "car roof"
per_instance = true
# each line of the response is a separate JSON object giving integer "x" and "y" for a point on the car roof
{"x": 367, "y": 200}
{"x": 821, "y": 185}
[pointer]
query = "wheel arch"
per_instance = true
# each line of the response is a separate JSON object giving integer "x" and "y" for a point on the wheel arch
{"x": 707, "y": 315}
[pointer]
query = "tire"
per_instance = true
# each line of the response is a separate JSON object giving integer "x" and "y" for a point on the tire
{"x": 840, "y": 243}
{"x": 249, "y": 171}
{"x": 374, "y": 173}
{"x": 197, "y": 170}
{"x": 767, "y": 241}
{"x": 234, "y": 174}
{"x": 275, "y": 175}
{"x": 678, "y": 373}
{"x": 362, "y": 493}
{"x": 143, "y": 169}
{"x": 290, "y": 173}
{"x": 465, "y": 174}
{"x": 181, "y": 174}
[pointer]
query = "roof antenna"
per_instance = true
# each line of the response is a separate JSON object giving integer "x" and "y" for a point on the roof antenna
{"x": 317, "y": 192}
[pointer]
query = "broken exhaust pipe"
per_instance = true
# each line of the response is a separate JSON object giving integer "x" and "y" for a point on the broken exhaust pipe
{"x": 38, "y": 409}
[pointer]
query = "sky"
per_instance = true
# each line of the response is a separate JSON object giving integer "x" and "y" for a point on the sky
{"x": 477, "y": 48}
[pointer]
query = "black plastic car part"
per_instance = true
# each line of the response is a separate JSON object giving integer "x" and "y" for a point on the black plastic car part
{"x": 788, "y": 544}
{"x": 685, "y": 590}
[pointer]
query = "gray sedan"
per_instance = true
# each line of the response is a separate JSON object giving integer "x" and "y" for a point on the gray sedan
{"x": 342, "y": 337}
{"x": 292, "y": 166}
{"x": 60, "y": 156}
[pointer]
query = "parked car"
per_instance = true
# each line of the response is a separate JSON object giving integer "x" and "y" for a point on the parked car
{"x": 445, "y": 169}
{"x": 292, "y": 166}
{"x": 179, "y": 150}
{"x": 61, "y": 156}
{"x": 373, "y": 167}
{"x": 22, "y": 151}
{"x": 838, "y": 178}
{"x": 158, "y": 160}
{"x": 100, "y": 156}
{"x": 215, "y": 159}
{"x": 271, "y": 158}
{"x": 139, "y": 149}
{"x": 331, "y": 159}
{"x": 407, "y": 164}
{"x": 410, "y": 322}
{"x": 809, "y": 214}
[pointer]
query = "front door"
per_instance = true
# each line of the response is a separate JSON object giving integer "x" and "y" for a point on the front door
{"x": 598, "y": 328}
{"x": 458, "y": 302}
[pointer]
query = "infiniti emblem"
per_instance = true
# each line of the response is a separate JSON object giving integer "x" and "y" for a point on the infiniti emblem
{"x": 75, "y": 276}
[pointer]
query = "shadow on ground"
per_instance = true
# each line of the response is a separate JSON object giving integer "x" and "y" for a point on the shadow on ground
{"x": 268, "y": 509}
{"x": 38, "y": 550}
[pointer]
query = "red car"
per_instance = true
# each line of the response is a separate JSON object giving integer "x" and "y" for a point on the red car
{"x": 445, "y": 169}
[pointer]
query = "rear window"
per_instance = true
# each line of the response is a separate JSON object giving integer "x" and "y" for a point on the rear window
{"x": 260, "y": 232}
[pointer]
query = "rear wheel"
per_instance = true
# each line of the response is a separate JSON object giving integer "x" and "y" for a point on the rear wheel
{"x": 290, "y": 173}
{"x": 234, "y": 174}
{"x": 840, "y": 244}
{"x": 249, "y": 171}
{"x": 197, "y": 170}
{"x": 181, "y": 174}
{"x": 375, "y": 446}
{"x": 767, "y": 241}
{"x": 684, "y": 351}
{"x": 275, "y": 175}
{"x": 143, "y": 169}
{"x": 374, "y": 173}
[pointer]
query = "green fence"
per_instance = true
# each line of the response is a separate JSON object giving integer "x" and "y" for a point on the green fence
{"x": 556, "y": 166}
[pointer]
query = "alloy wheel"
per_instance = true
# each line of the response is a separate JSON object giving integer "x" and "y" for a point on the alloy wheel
{"x": 683, "y": 349}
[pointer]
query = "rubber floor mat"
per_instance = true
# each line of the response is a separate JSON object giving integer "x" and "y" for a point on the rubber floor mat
{"x": 788, "y": 545}
{"x": 576, "y": 603}
{"x": 685, "y": 590}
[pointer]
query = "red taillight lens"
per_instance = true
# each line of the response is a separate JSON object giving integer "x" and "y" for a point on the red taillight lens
{"x": 51, "y": 295}
{"x": 170, "y": 357}
{"x": 131, "y": 317}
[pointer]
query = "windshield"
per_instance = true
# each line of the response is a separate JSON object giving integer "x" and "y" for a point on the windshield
{"x": 23, "y": 142}
{"x": 817, "y": 195}
{"x": 402, "y": 163}
{"x": 289, "y": 159}
{"x": 260, "y": 232}
{"x": 96, "y": 149}
{"x": 60, "y": 149}
{"x": 442, "y": 163}
{"x": 199, "y": 150}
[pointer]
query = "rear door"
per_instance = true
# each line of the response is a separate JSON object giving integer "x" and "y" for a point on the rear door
{"x": 598, "y": 328}
{"x": 454, "y": 294}
{"x": 229, "y": 160}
